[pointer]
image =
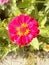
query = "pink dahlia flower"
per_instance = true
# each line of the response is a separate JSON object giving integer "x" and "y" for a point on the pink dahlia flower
{"x": 3, "y": 1}
{"x": 22, "y": 29}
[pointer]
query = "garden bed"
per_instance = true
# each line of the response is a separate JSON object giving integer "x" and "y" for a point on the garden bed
{"x": 27, "y": 58}
{"x": 24, "y": 32}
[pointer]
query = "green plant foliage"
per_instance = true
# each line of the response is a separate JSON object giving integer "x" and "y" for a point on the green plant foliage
{"x": 35, "y": 43}
{"x": 39, "y": 9}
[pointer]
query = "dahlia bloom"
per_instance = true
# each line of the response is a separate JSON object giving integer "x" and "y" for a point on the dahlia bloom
{"x": 3, "y": 1}
{"x": 22, "y": 29}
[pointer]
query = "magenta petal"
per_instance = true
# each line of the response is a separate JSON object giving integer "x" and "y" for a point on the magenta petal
{"x": 3, "y": 1}
{"x": 34, "y": 21}
{"x": 18, "y": 40}
{"x": 27, "y": 19}
{"x": 27, "y": 40}
{"x": 30, "y": 25}
{"x": 21, "y": 17}
{"x": 30, "y": 37}
{"x": 12, "y": 30}
{"x": 14, "y": 22}
{"x": 23, "y": 39}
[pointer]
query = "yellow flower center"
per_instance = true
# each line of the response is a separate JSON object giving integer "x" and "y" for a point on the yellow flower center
{"x": 22, "y": 30}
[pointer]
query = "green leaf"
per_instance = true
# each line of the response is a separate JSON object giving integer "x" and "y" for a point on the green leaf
{"x": 30, "y": 9}
{"x": 24, "y": 4}
{"x": 44, "y": 31}
{"x": 42, "y": 19}
{"x": 42, "y": 45}
{"x": 5, "y": 52}
{"x": 35, "y": 43}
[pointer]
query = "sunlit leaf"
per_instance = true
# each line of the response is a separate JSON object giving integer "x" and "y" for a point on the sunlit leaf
{"x": 35, "y": 43}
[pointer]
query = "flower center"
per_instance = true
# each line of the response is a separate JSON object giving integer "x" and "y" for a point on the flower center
{"x": 23, "y": 29}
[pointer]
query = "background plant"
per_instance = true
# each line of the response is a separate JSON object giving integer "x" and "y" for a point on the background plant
{"x": 39, "y": 9}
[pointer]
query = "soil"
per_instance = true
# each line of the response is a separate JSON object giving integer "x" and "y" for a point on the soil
{"x": 26, "y": 58}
